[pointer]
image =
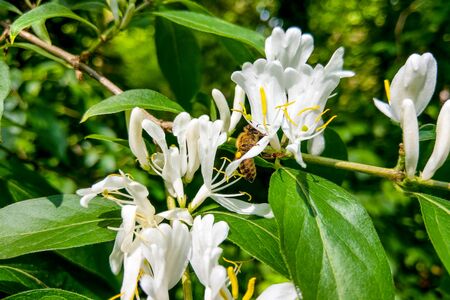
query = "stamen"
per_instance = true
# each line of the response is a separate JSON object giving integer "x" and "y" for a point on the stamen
{"x": 305, "y": 128}
{"x": 223, "y": 294}
{"x": 326, "y": 124}
{"x": 246, "y": 194}
{"x": 286, "y": 104}
{"x": 226, "y": 159}
{"x": 235, "y": 264}
{"x": 116, "y": 296}
{"x": 250, "y": 289}
{"x": 234, "y": 282}
{"x": 286, "y": 114}
{"x": 243, "y": 111}
{"x": 315, "y": 107}
{"x": 320, "y": 116}
{"x": 387, "y": 88}
{"x": 263, "y": 105}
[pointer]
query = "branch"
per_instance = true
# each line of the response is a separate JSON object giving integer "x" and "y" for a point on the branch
{"x": 75, "y": 62}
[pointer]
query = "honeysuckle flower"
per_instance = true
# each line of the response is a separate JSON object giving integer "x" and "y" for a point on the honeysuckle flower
{"x": 308, "y": 92}
{"x": 408, "y": 95}
{"x": 135, "y": 140}
{"x": 291, "y": 48}
{"x": 442, "y": 144}
{"x": 280, "y": 291}
{"x": 211, "y": 137}
{"x": 167, "y": 250}
{"x": 206, "y": 238}
{"x": 263, "y": 82}
{"x": 132, "y": 266}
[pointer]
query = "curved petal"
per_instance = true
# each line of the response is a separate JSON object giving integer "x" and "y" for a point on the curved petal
{"x": 238, "y": 101}
{"x": 181, "y": 214}
{"x": 386, "y": 109}
{"x": 410, "y": 136}
{"x": 316, "y": 145}
{"x": 222, "y": 106}
{"x": 131, "y": 267}
{"x": 254, "y": 151}
{"x": 294, "y": 148}
{"x": 280, "y": 291}
{"x": 244, "y": 207}
{"x": 137, "y": 144}
{"x": 442, "y": 145}
{"x": 156, "y": 133}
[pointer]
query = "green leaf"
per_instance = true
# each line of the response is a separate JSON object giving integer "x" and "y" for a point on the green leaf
{"x": 257, "y": 236}
{"x": 14, "y": 280}
{"x": 5, "y": 86}
{"x": 55, "y": 222}
{"x": 40, "y": 51}
{"x": 436, "y": 215}
{"x": 427, "y": 132}
{"x": 240, "y": 52}
{"x": 41, "y": 13}
{"x": 215, "y": 26}
{"x": 179, "y": 59}
{"x": 18, "y": 182}
{"x": 191, "y": 5}
{"x": 41, "y": 32}
{"x": 47, "y": 294}
{"x": 105, "y": 138}
{"x": 8, "y": 6}
{"x": 94, "y": 259}
{"x": 142, "y": 98}
{"x": 331, "y": 248}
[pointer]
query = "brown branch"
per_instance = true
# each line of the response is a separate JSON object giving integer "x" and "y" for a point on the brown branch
{"x": 75, "y": 62}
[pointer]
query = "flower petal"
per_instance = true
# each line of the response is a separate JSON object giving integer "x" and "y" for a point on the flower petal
{"x": 442, "y": 145}
{"x": 316, "y": 145}
{"x": 280, "y": 291}
{"x": 239, "y": 100}
{"x": 386, "y": 109}
{"x": 137, "y": 144}
{"x": 222, "y": 106}
{"x": 410, "y": 136}
{"x": 181, "y": 214}
{"x": 244, "y": 207}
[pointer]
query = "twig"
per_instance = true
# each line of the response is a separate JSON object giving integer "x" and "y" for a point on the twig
{"x": 75, "y": 62}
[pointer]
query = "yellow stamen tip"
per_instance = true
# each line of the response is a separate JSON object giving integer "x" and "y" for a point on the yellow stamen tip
{"x": 238, "y": 155}
{"x": 305, "y": 128}
{"x": 116, "y": 296}
{"x": 387, "y": 88}
{"x": 234, "y": 282}
{"x": 250, "y": 289}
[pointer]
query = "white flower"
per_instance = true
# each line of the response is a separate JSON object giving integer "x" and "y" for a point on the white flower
{"x": 280, "y": 291}
{"x": 292, "y": 49}
{"x": 206, "y": 238}
{"x": 415, "y": 80}
{"x": 264, "y": 85}
{"x": 167, "y": 250}
{"x": 210, "y": 139}
{"x": 133, "y": 264}
{"x": 442, "y": 143}
{"x": 229, "y": 121}
{"x": 408, "y": 95}
{"x": 308, "y": 92}
{"x": 137, "y": 144}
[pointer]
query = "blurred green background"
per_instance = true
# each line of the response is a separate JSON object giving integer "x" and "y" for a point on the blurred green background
{"x": 42, "y": 134}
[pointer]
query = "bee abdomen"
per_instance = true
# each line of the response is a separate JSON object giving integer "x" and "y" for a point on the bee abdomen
{"x": 248, "y": 169}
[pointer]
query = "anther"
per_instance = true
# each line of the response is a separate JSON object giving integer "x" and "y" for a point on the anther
{"x": 234, "y": 282}
{"x": 250, "y": 289}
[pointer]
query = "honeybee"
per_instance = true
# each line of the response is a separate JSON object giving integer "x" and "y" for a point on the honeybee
{"x": 244, "y": 142}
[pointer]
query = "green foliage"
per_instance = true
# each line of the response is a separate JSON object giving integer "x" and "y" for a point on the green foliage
{"x": 4, "y": 86}
{"x": 43, "y": 12}
{"x": 127, "y": 100}
{"x": 179, "y": 59}
{"x": 258, "y": 237}
{"x": 14, "y": 280}
{"x": 328, "y": 241}
{"x": 215, "y": 26}
{"x": 55, "y": 222}
{"x": 436, "y": 214}
{"x": 47, "y": 294}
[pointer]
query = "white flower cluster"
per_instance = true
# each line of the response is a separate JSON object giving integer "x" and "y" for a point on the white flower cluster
{"x": 408, "y": 96}
{"x": 285, "y": 92}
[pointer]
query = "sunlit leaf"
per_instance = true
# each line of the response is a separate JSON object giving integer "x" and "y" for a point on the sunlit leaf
{"x": 53, "y": 294}
{"x": 215, "y": 26}
{"x": 55, "y": 222}
{"x": 436, "y": 215}
{"x": 105, "y": 138}
{"x": 40, "y": 51}
{"x": 146, "y": 99}
{"x": 257, "y": 236}
{"x": 328, "y": 241}
{"x": 41, "y": 13}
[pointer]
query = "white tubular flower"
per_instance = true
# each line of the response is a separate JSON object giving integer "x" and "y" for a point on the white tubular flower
{"x": 415, "y": 80}
{"x": 167, "y": 250}
{"x": 280, "y": 291}
{"x": 222, "y": 106}
{"x": 442, "y": 144}
{"x": 170, "y": 167}
{"x": 137, "y": 144}
{"x": 210, "y": 139}
{"x": 410, "y": 127}
{"x": 133, "y": 264}
{"x": 408, "y": 95}
{"x": 292, "y": 49}
{"x": 264, "y": 86}
{"x": 316, "y": 145}
{"x": 206, "y": 238}
{"x": 238, "y": 103}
